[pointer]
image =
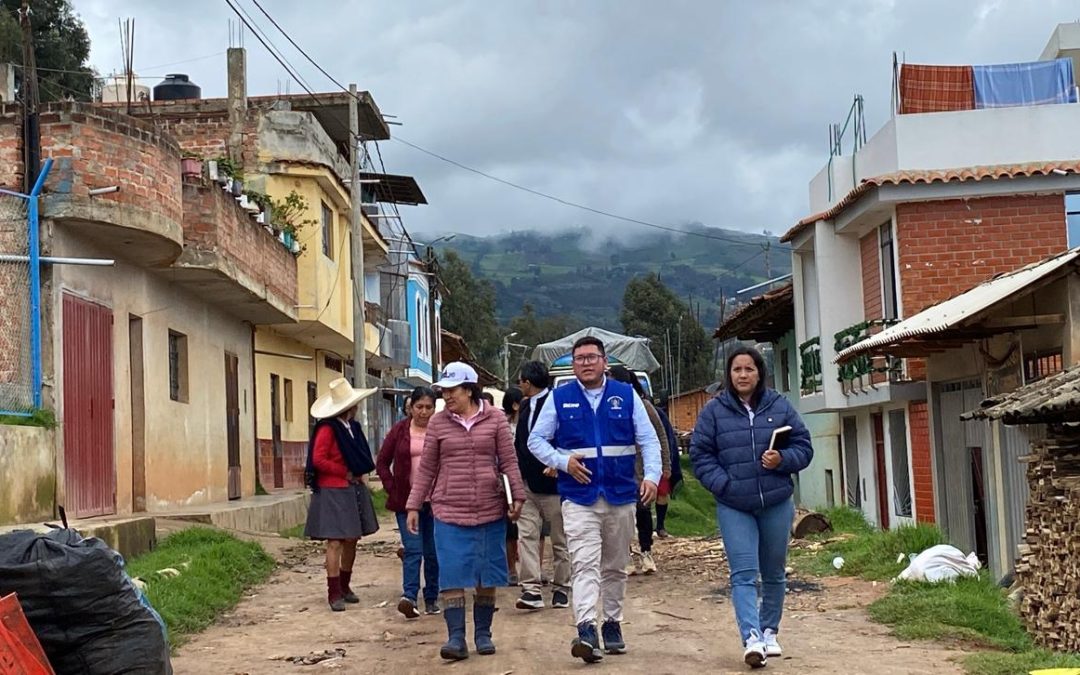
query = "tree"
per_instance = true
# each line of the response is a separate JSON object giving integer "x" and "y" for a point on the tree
{"x": 468, "y": 308}
{"x": 61, "y": 47}
{"x": 652, "y": 310}
{"x": 532, "y": 330}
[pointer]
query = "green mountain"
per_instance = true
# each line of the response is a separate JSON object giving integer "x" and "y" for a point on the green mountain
{"x": 582, "y": 276}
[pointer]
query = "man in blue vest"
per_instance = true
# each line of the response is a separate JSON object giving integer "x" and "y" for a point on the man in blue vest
{"x": 590, "y": 431}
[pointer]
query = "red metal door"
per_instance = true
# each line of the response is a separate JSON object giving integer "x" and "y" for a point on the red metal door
{"x": 89, "y": 456}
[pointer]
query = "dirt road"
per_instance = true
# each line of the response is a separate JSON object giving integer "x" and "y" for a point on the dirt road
{"x": 678, "y": 621}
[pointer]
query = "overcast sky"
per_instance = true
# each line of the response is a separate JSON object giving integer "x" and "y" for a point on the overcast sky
{"x": 709, "y": 110}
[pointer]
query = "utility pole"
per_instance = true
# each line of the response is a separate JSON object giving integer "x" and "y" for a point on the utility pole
{"x": 357, "y": 248}
{"x": 31, "y": 128}
{"x": 433, "y": 290}
{"x": 767, "y": 246}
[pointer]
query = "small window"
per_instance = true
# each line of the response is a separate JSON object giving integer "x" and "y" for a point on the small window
{"x": 327, "y": 231}
{"x": 898, "y": 449}
{"x": 178, "y": 366}
{"x": 332, "y": 363}
{"x": 288, "y": 400}
{"x": 889, "y": 305}
{"x": 1038, "y": 365}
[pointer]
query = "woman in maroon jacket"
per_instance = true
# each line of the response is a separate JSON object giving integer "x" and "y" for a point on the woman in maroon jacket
{"x": 466, "y": 446}
{"x": 338, "y": 458}
{"x": 397, "y": 461}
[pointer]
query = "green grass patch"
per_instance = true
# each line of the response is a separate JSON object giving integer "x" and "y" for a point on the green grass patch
{"x": 867, "y": 552}
{"x": 973, "y": 609}
{"x": 38, "y": 418}
{"x": 999, "y": 663}
{"x": 692, "y": 509}
{"x": 215, "y": 570}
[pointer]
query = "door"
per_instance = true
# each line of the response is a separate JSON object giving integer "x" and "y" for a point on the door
{"x": 138, "y": 413}
{"x": 878, "y": 423}
{"x": 959, "y": 502}
{"x": 852, "y": 480}
{"x": 89, "y": 461}
{"x": 275, "y": 431}
{"x": 979, "y": 505}
{"x": 232, "y": 422}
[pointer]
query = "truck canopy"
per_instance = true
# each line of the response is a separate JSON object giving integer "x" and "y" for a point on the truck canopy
{"x": 632, "y": 351}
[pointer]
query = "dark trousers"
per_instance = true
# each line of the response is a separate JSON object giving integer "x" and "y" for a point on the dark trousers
{"x": 643, "y": 518}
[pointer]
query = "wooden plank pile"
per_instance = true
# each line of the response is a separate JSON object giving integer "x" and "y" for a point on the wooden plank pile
{"x": 1049, "y": 564}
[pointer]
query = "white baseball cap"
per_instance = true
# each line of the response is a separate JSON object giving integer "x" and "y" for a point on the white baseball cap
{"x": 456, "y": 374}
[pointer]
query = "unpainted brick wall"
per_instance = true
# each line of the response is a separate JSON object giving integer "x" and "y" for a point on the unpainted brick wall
{"x": 922, "y": 479}
{"x": 213, "y": 221}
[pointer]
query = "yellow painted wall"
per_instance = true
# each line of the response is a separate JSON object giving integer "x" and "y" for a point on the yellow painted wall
{"x": 186, "y": 447}
{"x": 325, "y": 289}
{"x": 299, "y": 371}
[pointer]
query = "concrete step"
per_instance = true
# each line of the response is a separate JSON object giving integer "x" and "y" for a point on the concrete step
{"x": 130, "y": 535}
{"x": 262, "y": 513}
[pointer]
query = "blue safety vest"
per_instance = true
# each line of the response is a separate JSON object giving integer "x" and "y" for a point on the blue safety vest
{"x": 605, "y": 438}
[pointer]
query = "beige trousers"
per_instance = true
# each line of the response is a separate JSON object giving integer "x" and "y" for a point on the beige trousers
{"x": 534, "y": 512}
{"x": 598, "y": 537}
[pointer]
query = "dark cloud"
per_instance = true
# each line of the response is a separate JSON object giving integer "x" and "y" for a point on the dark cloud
{"x": 669, "y": 112}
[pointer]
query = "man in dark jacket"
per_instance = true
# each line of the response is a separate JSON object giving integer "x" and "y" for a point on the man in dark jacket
{"x": 541, "y": 501}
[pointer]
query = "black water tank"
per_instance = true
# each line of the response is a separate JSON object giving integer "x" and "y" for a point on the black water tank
{"x": 176, "y": 86}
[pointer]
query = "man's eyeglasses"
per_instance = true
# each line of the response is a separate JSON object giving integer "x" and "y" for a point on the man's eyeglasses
{"x": 588, "y": 359}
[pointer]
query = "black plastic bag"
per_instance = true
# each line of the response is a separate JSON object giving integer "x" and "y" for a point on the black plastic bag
{"x": 88, "y": 616}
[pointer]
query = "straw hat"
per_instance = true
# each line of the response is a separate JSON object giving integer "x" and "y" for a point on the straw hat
{"x": 340, "y": 398}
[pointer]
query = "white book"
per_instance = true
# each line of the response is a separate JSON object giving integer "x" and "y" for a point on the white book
{"x": 781, "y": 437}
{"x": 506, "y": 488}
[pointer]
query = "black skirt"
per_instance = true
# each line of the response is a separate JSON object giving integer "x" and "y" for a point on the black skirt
{"x": 334, "y": 514}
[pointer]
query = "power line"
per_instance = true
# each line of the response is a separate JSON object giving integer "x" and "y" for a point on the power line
{"x": 517, "y": 186}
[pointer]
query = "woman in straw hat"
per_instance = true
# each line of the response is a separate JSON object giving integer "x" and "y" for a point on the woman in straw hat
{"x": 465, "y": 448}
{"x": 338, "y": 456}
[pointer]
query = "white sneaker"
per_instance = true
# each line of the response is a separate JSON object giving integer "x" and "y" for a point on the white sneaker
{"x": 648, "y": 565}
{"x": 755, "y": 655}
{"x": 633, "y": 567}
{"x": 772, "y": 647}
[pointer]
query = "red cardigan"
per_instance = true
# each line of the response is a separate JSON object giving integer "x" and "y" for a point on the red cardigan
{"x": 330, "y": 468}
{"x": 394, "y": 465}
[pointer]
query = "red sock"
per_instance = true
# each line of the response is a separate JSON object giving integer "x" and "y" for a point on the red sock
{"x": 333, "y": 589}
{"x": 345, "y": 578}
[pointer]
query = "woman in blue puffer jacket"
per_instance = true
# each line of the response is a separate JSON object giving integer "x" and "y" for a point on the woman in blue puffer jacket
{"x": 753, "y": 486}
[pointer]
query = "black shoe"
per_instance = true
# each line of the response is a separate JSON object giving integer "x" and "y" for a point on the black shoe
{"x": 586, "y": 646}
{"x": 350, "y": 597}
{"x": 613, "y": 639}
{"x": 530, "y": 600}
{"x": 338, "y": 604}
{"x": 408, "y": 608}
{"x": 560, "y": 600}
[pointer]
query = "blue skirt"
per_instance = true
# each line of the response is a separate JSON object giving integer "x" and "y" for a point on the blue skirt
{"x": 471, "y": 557}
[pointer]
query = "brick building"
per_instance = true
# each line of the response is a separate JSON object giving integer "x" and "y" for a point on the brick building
{"x": 932, "y": 205}
{"x": 147, "y": 363}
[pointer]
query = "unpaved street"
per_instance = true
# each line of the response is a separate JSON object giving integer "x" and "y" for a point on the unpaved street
{"x": 678, "y": 621}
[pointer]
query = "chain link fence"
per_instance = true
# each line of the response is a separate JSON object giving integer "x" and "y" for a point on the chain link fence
{"x": 16, "y": 365}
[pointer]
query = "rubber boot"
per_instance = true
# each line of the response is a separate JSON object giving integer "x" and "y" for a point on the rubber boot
{"x": 346, "y": 592}
{"x": 483, "y": 613}
{"x": 334, "y": 595}
{"x": 455, "y": 648}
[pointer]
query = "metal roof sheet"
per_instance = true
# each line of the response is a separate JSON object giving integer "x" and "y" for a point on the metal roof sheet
{"x": 961, "y": 308}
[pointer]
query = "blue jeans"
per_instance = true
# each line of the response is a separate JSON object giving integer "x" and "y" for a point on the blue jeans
{"x": 756, "y": 544}
{"x": 419, "y": 548}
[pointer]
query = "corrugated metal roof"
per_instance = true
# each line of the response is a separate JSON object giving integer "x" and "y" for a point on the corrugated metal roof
{"x": 1052, "y": 399}
{"x": 767, "y": 317}
{"x": 961, "y": 308}
{"x": 929, "y": 176}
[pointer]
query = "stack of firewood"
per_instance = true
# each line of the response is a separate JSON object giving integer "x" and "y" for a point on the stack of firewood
{"x": 1049, "y": 565}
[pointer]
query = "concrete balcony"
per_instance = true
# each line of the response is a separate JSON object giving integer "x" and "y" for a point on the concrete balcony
{"x": 94, "y": 150}
{"x": 232, "y": 260}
